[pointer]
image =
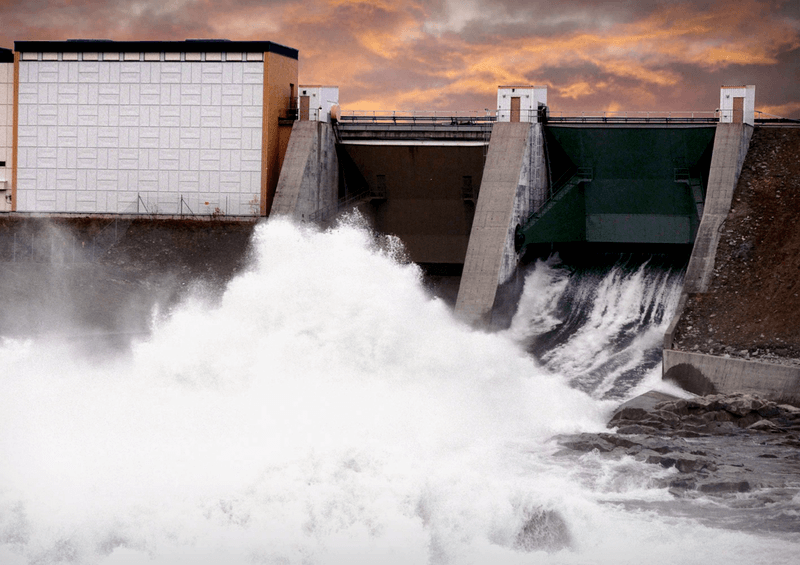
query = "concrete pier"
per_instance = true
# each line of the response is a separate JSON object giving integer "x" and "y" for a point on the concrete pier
{"x": 730, "y": 147}
{"x": 512, "y": 174}
{"x": 309, "y": 177}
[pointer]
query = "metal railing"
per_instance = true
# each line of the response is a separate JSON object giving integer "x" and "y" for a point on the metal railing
{"x": 149, "y": 204}
{"x": 767, "y": 119}
{"x": 292, "y": 112}
{"x": 487, "y": 117}
{"x": 422, "y": 117}
{"x": 611, "y": 117}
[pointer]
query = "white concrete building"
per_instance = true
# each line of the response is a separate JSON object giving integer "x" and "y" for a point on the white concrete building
{"x": 737, "y": 104}
{"x": 186, "y": 127}
{"x": 315, "y": 102}
{"x": 520, "y": 103}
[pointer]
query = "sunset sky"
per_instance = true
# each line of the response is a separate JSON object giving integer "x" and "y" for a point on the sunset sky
{"x": 452, "y": 54}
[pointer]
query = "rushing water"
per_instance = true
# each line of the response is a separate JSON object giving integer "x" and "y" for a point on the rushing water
{"x": 601, "y": 325}
{"x": 328, "y": 410}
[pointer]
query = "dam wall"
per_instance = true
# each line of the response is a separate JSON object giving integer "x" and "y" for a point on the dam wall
{"x": 514, "y": 174}
{"x": 309, "y": 178}
{"x": 711, "y": 374}
{"x": 109, "y": 277}
{"x": 730, "y": 147}
{"x": 735, "y": 329}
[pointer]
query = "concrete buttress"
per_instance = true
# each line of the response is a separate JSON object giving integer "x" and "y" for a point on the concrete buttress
{"x": 513, "y": 171}
{"x": 309, "y": 176}
{"x": 730, "y": 147}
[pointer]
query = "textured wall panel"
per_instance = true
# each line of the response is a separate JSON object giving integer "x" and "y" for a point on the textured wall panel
{"x": 137, "y": 136}
{"x": 6, "y": 133}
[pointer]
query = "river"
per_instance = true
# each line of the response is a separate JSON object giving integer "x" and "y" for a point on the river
{"x": 328, "y": 410}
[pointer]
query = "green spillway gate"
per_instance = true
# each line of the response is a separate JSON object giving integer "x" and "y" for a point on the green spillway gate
{"x": 622, "y": 184}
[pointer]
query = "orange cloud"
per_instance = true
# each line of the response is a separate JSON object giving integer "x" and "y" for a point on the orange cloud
{"x": 577, "y": 90}
{"x": 779, "y": 110}
{"x": 642, "y": 51}
{"x": 442, "y": 53}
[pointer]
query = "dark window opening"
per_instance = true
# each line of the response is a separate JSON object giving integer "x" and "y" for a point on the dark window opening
{"x": 467, "y": 190}
{"x": 380, "y": 187}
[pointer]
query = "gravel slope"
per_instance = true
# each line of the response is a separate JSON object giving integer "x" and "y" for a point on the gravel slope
{"x": 752, "y": 307}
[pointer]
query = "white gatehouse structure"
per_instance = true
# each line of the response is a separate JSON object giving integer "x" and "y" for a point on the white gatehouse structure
{"x": 737, "y": 104}
{"x": 520, "y": 103}
{"x": 153, "y": 127}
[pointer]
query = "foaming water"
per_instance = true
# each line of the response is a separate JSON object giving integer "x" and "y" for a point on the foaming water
{"x": 601, "y": 327}
{"x": 326, "y": 410}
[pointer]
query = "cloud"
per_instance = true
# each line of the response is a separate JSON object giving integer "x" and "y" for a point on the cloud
{"x": 428, "y": 54}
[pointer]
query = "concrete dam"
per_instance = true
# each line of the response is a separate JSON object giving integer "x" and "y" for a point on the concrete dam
{"x": 474, "y": 196}
{"x": 222, "y": 130}
{"x": 480, "y": 196}
{"x": 276, "y": 391}
{"x": 623, "y": 184}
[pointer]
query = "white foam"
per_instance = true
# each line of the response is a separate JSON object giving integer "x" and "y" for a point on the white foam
{"x": 326, "y": 411}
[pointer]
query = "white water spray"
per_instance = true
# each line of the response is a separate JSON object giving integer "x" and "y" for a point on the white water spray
{"x": 601, "y": 328}
{"x": 326, "y": 411}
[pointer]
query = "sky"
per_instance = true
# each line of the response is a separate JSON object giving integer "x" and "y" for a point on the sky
{"x": 628, "y": 55}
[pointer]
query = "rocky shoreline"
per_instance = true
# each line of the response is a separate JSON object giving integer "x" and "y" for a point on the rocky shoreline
{"x": 719, "y": 445}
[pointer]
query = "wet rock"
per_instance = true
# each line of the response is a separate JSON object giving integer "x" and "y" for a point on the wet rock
{"x": 764, "y": 426}
{"x": 543, "y": 530}
{"x": 634, "y": 429}
{"x": 684, "y": 482}
{"x": 718, "y": 445}
{"x": 588, "y": 442}
{"x": 630, "y": 413}
{"x": 744, "y": 404}
{"x": 702, "y": 415}
{"x": 725, "y": 487}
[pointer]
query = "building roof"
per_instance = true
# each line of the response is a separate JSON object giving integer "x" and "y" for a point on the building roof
{"x": 189, "y": 45}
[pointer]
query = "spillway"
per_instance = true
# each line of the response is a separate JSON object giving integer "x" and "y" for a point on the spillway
{"x": 600, "y": 323}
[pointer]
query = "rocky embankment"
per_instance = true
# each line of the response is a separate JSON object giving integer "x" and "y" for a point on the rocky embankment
{"x": 718, "y": 444}
{"x": 752, "y": 307}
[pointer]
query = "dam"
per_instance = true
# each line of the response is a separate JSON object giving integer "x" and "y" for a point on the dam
{"x": 578, "y": 184}
{"x": 287, "y": 393}
{"x": 206, "y": 129}
{"x": 467, "y": 193}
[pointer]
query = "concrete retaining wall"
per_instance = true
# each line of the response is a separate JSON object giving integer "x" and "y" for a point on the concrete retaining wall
{"x": 709, "y": 374}
{"x": 309, "y": 177}
{"x": 513, "y": 174}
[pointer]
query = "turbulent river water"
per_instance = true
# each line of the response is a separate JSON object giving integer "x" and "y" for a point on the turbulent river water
{"x": 328, "y": 410}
